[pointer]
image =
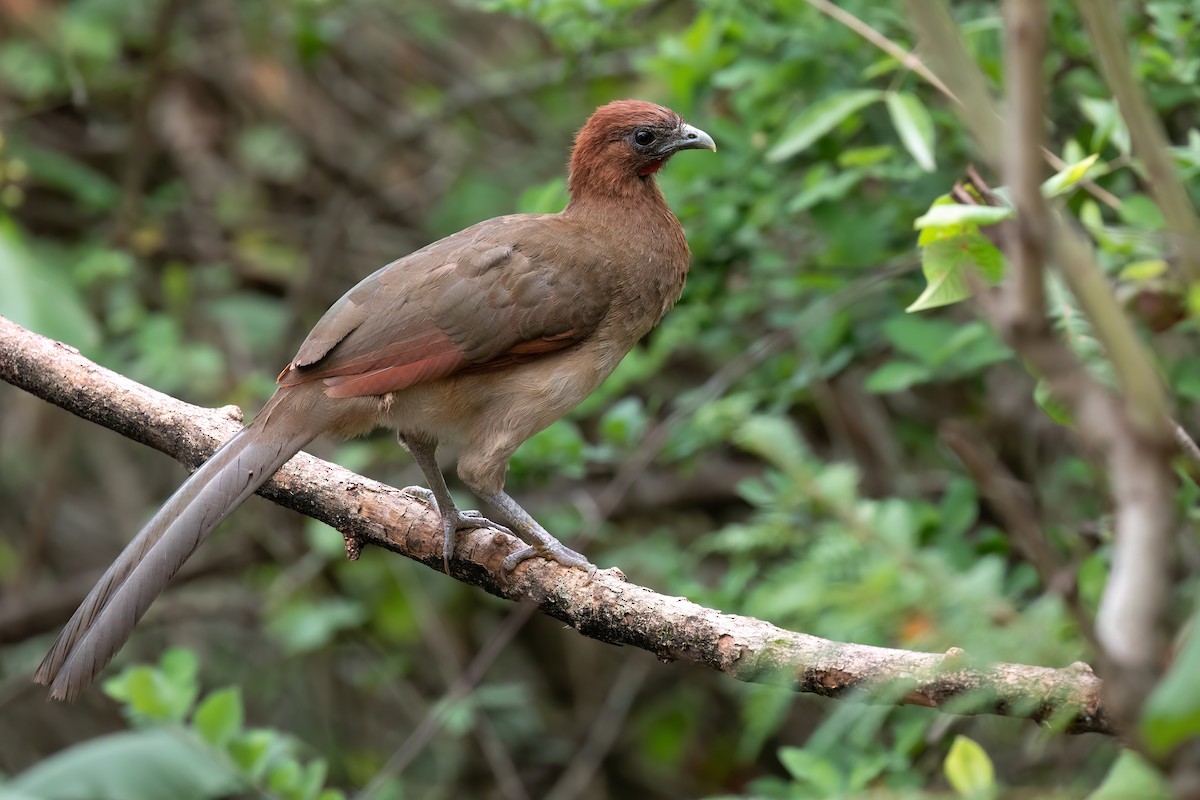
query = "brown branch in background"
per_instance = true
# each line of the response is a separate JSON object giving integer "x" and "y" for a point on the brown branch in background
{"x": 1132, "y": 432}
{"x": 607, "y": 609}
{"x": 1102, "y": 19}
{"x": 1023, "y": 309}
{"x": 1014, "y": 503}
{"x": 944, "y": 47}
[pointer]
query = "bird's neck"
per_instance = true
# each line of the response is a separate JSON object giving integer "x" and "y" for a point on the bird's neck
{"x": 591, "y": 185}
{"x": 650, "y": 276}
{"x": 633, "y": 207}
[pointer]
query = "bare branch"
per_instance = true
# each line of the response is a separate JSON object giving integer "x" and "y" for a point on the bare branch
{"x": 1024, "y": 53}
{"x": 945, "y": 49}
{"x": 1133, "y": 431}
{"x": 608, "y": 608}
{"x": 909, "y": 59}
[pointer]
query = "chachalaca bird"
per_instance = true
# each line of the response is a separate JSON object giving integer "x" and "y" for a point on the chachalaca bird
{"x": 481, "y": 339}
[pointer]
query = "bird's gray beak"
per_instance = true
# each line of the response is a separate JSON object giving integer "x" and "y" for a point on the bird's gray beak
{"x": 689, "y": 138}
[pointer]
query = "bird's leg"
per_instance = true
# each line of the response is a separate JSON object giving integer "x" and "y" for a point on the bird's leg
{"x": 453, "y": 520}
{"x": 544, "y": 544}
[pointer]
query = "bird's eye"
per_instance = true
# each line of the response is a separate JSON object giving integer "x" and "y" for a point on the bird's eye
{"x": 643, "y": 138}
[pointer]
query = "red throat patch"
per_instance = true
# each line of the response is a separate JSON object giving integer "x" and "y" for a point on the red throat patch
{"x": 651, "y": 168}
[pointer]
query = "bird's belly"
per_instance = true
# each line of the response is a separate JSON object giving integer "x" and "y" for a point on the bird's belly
{"x": 509, "y": 403}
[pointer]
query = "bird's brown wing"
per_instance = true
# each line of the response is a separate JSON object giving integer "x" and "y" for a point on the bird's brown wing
{"x": 506, "y": 290}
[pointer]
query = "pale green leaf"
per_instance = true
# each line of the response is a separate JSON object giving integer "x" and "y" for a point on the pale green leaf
{"x": 969, "y": 769}
{"x": 945, "y": 263}
{"x": 1069, "y": 176}
{"x": 219, "y": 718}
{"x": 940, "y": 216}
{"x": 1142, "y": 271}
{"x": 819, "y": 119}
{"x": 865, "y": 156}
{"x": 914, "y": 126}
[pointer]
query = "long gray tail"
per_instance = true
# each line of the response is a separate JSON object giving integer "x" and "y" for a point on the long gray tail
{"x": 105, "y": 619}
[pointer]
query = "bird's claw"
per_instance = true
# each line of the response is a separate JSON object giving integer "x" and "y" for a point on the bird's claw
{"x": 555, "y": 551}
{"x": 475, "y": 519}
{"x": 421, "y": 495}
{"x": 457, "y": 521}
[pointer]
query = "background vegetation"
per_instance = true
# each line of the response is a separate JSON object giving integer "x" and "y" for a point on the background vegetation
{"x": 185, "y": 187}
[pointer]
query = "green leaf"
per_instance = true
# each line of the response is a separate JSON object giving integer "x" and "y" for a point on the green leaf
{"x": 969, "y": 349}
{"x": 284, "y": 777}
{"x": 1172, "y": 713}
{"x": 945, "y": 263}
{"x": 152, "y": 764}
{"x": 819, "y": 119}
{"x": 625, "y": 421}
{"x": 306, "y": 626}
{"x": 914, "y": 126}
{"x": 272, "y": 152}
{"x": 252, "y": 751}
{"x": 774, "y": 439}
{"x": 1141, "y": 212}
{"x": 1069, "y": 176}
{"x": 969, "y": 769}
{"x": 918, "y": 337}
{"x": 313, "y": 779}
{"x": 820, "y": 186}
{"x": 948, "y": 214}
{"x": 30, "y": 70}
{"x": 181, "y": 667}
{"x": 1051, "y": 405}
{"x": 1132, "y": 777}
{"x": 151, "y": 695}
{"x": 865, "y": 156}
{"x": 219, "y": 718}
{"x": 40, "y": 296}
{"x": 1107, "y": 123}
{"x": 896, "y": 376}
{"x": 817, "y": 771}
{"x": 90, "y": 188}
{"x": 1142, "y": 271}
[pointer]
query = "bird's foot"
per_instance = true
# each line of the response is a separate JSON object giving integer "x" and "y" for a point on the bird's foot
{"x": 553, "y": 550}
{"x": 421, "y": 495}
{"x": 453, "y": 520}
{"x": 457, "y": 521}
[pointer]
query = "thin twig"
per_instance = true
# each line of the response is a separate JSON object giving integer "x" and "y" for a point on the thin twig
{"x": 432, "y": 724}
{"x": 907, "y": 58}
{"x": 1102, "y": 19}
{"x": 912, "y": 61}
{"x": 603, "y": 732}
{"x": 1013, "y": 502}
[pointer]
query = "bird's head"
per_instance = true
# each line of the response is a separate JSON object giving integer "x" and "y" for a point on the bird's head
{"x": 625, "y": 142}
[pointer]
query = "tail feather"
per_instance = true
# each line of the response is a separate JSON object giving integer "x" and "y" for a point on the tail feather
{"x": 105, "y": 619}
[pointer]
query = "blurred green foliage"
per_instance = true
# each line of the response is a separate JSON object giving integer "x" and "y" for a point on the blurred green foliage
{"x": 184, "y": 187}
